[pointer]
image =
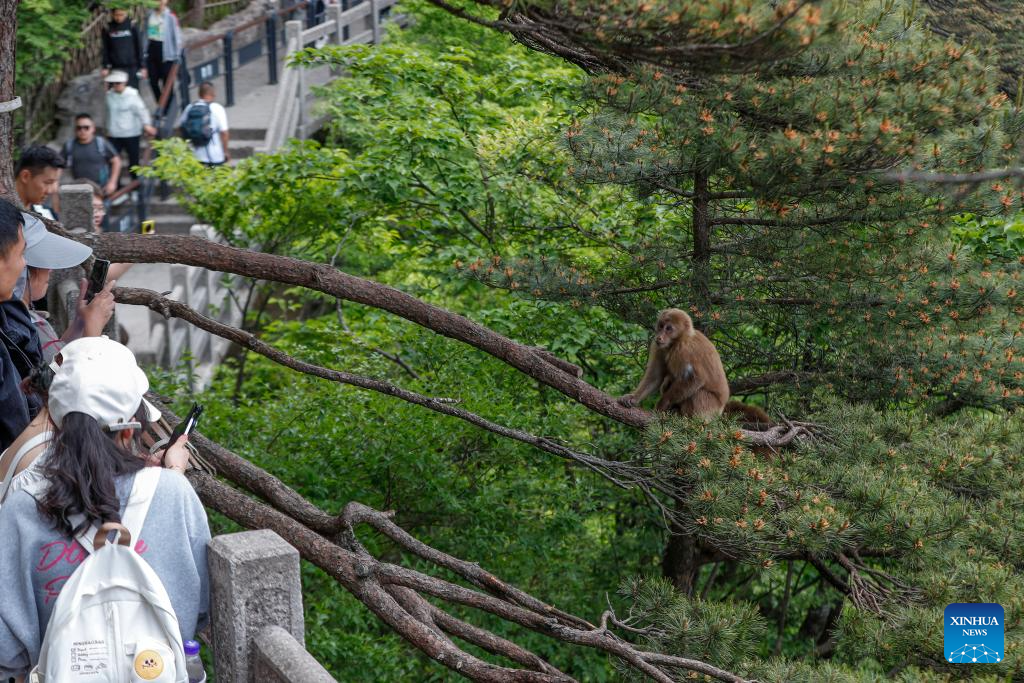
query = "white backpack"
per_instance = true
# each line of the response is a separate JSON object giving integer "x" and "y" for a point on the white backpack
{"x": 113, "y": 621}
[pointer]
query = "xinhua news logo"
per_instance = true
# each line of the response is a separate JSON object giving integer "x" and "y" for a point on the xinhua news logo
{"x": 974, "y": 633}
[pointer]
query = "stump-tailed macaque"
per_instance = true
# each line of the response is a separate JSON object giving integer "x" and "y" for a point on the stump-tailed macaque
{"x": 685, "y": 366}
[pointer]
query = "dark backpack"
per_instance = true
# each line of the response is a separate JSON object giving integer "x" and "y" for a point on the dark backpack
{"x": 198, "y": 124}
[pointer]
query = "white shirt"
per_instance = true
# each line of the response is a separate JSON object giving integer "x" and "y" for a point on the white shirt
{"x": 212, "y": 153}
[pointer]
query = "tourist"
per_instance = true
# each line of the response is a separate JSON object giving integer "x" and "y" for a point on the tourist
{"x": 123, "y": 47}
{"x": 37, "y": 177}
{"x": 204, "y": 123}
{"x": 92, "y": 156}
{"x": 99, "y": 214}
{"x": 164, "y": 48}
{"x": 127, "y": 118}
{"x": 99, "y": 209}
{"x": 95, "y": 404}
{"x": 45, "y": 252}
{"x": 14, "y": 415}
{"x": 24, "y": 331}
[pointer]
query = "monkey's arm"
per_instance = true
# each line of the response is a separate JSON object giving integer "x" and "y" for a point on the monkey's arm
{"x": 680, "y": 389}
{"x": 652, "y": 378}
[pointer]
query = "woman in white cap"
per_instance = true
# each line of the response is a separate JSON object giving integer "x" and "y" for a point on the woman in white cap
{"x": 127, "y": 117}
{"x": 95, "y": 398}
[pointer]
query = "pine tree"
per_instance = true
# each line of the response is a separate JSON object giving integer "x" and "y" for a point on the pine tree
{"x": 780, "y": 222}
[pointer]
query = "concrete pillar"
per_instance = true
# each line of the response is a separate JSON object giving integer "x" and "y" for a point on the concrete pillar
{"x": 62, "y": 296}
{"x": 76, "y": 207}
{"x": 375, "y": 21}
{"x": 278, "y": 658}
{"x": 254, "y": 583}
{"x": 334, "y": 14}
{"x": 292, "y": 35}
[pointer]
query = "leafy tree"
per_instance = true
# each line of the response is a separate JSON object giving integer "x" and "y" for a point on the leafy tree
{"x": 827, "y": 561}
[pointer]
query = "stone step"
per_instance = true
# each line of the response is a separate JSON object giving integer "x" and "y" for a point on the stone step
{"x": 242, "y": 149}
{"x": 248, "y": 133}
{"x": 174, "y": 225}
{"x": 159, "y": 209}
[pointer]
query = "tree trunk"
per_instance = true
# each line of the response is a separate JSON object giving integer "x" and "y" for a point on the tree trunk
{"x": 682, "y": 557}
{"x": 681, "y": 561}
{"x": 8, "y": 31}
{"x": 701, "y": 276}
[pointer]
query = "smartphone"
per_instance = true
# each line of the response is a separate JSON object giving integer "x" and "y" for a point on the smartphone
{"x": 186, "y": 426}
{"x": 97, "y": 278}
{"x": 148, "y": 227}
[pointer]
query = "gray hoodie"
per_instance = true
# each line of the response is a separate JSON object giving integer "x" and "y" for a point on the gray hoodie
{"x": 36, "y": 561}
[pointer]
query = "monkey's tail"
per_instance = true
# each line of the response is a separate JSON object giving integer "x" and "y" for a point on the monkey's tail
{"x": 750, "y": 415}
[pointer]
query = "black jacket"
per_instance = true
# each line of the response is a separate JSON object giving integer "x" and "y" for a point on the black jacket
{"x": 122, "y": 46}
{"x": 17, "y": 351}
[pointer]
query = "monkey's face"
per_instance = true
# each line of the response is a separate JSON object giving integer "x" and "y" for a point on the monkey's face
{"x": 672, "y": 324}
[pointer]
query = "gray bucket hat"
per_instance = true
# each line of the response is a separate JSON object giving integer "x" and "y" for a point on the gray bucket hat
{"x": 44, "y": 249}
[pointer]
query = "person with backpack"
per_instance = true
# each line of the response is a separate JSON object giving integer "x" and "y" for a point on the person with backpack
{"x": 123, "y": 47}
{"x": 204, "y": 123}
{"x": 105, "y": 550}
{"x": 91, "y": 156}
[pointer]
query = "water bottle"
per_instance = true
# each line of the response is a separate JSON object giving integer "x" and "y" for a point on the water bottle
{"x": 193, "y": 664}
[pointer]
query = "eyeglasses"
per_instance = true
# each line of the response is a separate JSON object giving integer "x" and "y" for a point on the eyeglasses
{"x": 83, "y": 127}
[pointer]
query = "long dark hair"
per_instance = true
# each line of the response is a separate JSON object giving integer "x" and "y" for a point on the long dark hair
{"x": 81, "y": 468}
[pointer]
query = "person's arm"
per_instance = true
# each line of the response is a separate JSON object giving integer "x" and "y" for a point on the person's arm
{"x": 144, "y": 117}
{"x": 176, "y": 27}
{"x": 19, "y": 618}
{"x": 107, "y": 61}
{"x": 222, "y": 126}
{"x": 115, "y": 173}
{"x": 140, "y": 52}
{"x": 116, "y": 270}
{"x": 91, "y": 317}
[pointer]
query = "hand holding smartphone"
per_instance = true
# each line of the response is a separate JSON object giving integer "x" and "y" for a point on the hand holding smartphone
{"x": 97, "y": 278}
{"x": 185, "y": 427}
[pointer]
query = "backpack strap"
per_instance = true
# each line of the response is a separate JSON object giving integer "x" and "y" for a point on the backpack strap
{"x": 135, "y": 511}
{"x": 103, "y": 146}
{"x": 38, "y": 439}
{"x": 143, "y": 489}
{"x": 66, "y": 150}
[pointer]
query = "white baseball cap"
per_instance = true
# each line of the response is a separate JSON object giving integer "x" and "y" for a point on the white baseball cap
{"x": 44, "y": 249}
{"x": 100, "y": 378}
{"x": 116, "y": 76}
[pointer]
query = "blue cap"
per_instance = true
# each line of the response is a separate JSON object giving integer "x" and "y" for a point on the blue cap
{"x": 191, "y": 647}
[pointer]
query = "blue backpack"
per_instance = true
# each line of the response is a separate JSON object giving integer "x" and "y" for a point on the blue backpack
{"x": 198, "y": 124}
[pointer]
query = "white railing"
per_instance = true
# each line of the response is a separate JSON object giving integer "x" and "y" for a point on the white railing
{"x": 290, "y": 116}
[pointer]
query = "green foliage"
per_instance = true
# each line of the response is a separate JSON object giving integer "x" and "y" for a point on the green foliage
{"x": 47, "y": 30}
{"x": 990, "y": 236}
{"x": 723, "y": 634}
{"x": 572, "y": 197}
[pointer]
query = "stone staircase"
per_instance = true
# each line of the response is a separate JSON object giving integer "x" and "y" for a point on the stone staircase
{"x": 174, "y": 219}
{"x": 264, "y": 116}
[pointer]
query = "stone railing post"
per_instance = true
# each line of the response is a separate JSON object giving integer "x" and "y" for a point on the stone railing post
{"x": 278, "y": 658}
{"x": 334, "y": 13}
{"x": 293, "y": 38}
{"x": 76, "y": 216}
{"x": 254, "y": 583}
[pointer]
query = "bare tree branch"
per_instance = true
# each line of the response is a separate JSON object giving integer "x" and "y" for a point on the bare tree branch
{"x": 168, "y": 308}
{"x": 911, "y": 176}
{"x": 374, "y": 584}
